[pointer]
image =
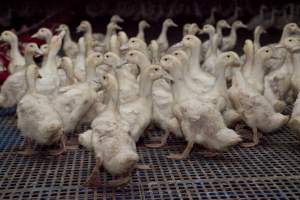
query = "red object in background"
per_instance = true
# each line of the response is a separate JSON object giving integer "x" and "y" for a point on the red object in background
{"x": 4, "y": 62}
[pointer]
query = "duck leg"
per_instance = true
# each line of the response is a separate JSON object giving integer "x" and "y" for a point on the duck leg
{"x": 184, "y": 154}
{"x": 61, "y": 150}
{"x": 28, "y": 151}
{"x": 93, "y": 180}
{"x": 255, "y": 138}
{"x": 162, "y": 142}
{"x": 122, "y": 180}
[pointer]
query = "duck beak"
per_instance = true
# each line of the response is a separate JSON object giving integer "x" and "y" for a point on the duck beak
{"x": 275, "y": 57}
{"x": 36, "y": 35}
{"x": 117, "y": 27}
{"x": 38, "y": 53}
{"x": 297, "y": 48}
{"x": 124, "y": 46}
{"x": 167, "y": 76}
{"x": 173, "y": 24}
{"x": 147, "y": 25}
{"x": 278, "y": 46}
{"x": 39, "y": 76}
{"x": 59, "y": 29}
{"x": 227, "y": 25}
{"x": 179, "y": 44}
{"x": 79, "y": 29}
{"x": 244, "y": 26}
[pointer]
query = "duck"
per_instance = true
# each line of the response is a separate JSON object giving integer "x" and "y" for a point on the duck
{"x": 128, "y": 84}
{"x": 229, "y": 42}
{"x": 79, "y": 64}
{"x": 211, "y": 19}
{"x": 235, "y": 15}
{"x": 295, "y": 81}
{"x": 270, "y": 22}
{"x": 209, "y": 63}
{"x": 294, "y": 122}
{"x": 116, "y": 19}
{"x": 201, "y": 122}
{"x": 110, "y": 31}
{"x": 51, "y": 80}
{"x": 37, "y": 119}
{"x": 249, "y": 50}
{"x": 114, "y": 148}
{"x": 206, "y": 46}
{"x": 278, "y": 82}
{"x": 162, "y": 39}
{"x": 185, "y": 29}
{"x": 74, "y": 101}
{"x": 258, "y": 19}
{"x": 201, "y": 78}
{"x": 255, "y": 109}
{"x": 43, "y": 34}
{"x": 143, "y": 105}
{"x": 123, "y": 37}
{"x": 70, "y": 47}
{"x": 141, "y": 32}
{"x": 221, "y": 24}
{"x": 14, "y": 87}
{"x": 86, "y": 27}
{"x": 193, "y": 29}
{"x": 17, "y": 61}
{"x": 257, "y": 75}
{"x": 259, "y": 30}
{"x": 154, "y": 49}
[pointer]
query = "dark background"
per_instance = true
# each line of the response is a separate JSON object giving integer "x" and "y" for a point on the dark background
{"x": 36, "y": 13}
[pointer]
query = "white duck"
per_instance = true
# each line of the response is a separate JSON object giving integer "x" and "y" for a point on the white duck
{"x": 50, "y": 81}
{"x": 73, "y": 102}
{"x": 203, "y": 80}
{"x": 128, "y": 84}
{"x": 200, "y": 122}
{"x": 162, "y": 39}
{"x": 248, "y": 49}
{"x": 278, "y": 82}
{"x": 154, "y": 49}
{"x": 229, "y": 42}
{"x": 254, "y": 108}
{"x": 258, "y": 19}
{"x": 14, "y": 87}
{"x": 79, "y": 63}
{"x": 206, "y": 46}
{"x": 294, "y": 122}
{"x": 37, "y": 119}
{"x": 43, "y": 34}
{"x": 141, "y": 32}
{"x": 110, "y": 31}
{"x": 114, "y": 148}
{"x": 209, "y": 63}
{"x": 86, "y": 28}
{"x": 259, "y": 30}
{"x": 70, "y": 47}
{"x": 17, "y": 61}
{"x": 256, "y": 77}
{"x": 295, "y": 81}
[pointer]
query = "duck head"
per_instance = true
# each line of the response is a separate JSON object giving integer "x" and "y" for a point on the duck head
{"x": 134, "y": 56}
{"x": 208, "y": 29}
{"x": 248, "y": 46}
{"x": 122, "y": 37}
{"x": 62, "y": 27}
{"x": 144, "y": 24}
{"x": 292, "y": 28}
{"x": 156, "y": 72}
{"x": 94, "y": 59}
{"x": 190, "y": 41}
{"x": 169, "y": 23}
{"x": 33, "y": 49}
{"x": 84, "y": 26}
{"x": 223, "y": 24}
{"x": 116, "y": 19}
{"x": 112, "y": 27}
{"x": 182, "y": 56}
{"x": 229, "y": 59}
{"x": 292, "y": 44}
{"x": 193, "y": 29}
{"x": 8, "y": 36}
{"x": 265, "y": 53}
{"x": 42, "y": 33}
{"x": 111, "y": 59}
{"x": 185, "y": 29}
{"x": 259, "y": 30}
{"x": 169, "y": 63}
{"x": 239, "y": 24}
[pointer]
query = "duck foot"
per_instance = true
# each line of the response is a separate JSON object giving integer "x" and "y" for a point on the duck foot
{"x": 210, "y": 154}
{"x": 185, "y": 154}
{"x": 255, "y": 137}
{"x": 27, "y": 152}
{"x": 162, "y": 141}
{"x": 61, "y": 150}
{"x": 93, "y": 180}
{"x": 119, "y": 182}
{"x": 142, "y": 167}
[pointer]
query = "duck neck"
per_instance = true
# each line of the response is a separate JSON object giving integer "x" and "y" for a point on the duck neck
{"x": 214, "y": 45}
{"x": 90, "y": 70}
{"x": 285, "y": 34}
{"x": 249, "y": 61}
{"x": 180, "y": 89}
{"x": 141, "y": 33}
{"x": 257, "y": 69}
{"x": 219, "y": 32}
{"x": 194, "y": 66}
{"x": 233, "y": 35}
{"x": 144, "y": 62}
{"x": 67, "y": 38}
{"x": 163, "y": 34}
{"x": 145, "y": 90}
{"x": 296, "y": 59}
{"x": 257, "y": 36}
{"x": 29, "y": 58}
{"x": 289, "y": 62}
{"x": 51, "y": 59}
{"x": 48, "y": 38}
{"x": 14, "y": 50}
{"x": 112, "y": 98}
{"x": 220, "y": 84}
{"x": 30, "y": 80}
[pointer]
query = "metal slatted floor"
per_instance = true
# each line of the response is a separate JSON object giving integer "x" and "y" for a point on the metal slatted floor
{"x": 268, "y": 171}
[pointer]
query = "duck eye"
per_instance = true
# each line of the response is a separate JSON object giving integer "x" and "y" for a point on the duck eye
{"x": 290, "y": 40}
{"x": 267, "y": 51}
{"x": 104, "y": 77}
{"x": 176, "y": 54}
{"x": 131, "y": 54}
{"x": 133, "y": 41}
{"x": 188, "y": 38}
{"x": 98, "y": 56}
{"x": 165, "y": 59}
{"x": 228, "y": 56}
{"x": 156, "y": 69}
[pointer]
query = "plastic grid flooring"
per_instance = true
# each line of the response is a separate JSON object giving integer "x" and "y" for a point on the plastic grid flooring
{"x": 268, "y": 171}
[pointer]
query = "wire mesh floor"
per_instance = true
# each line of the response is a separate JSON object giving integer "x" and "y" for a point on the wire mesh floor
{"x": 268, "y": 171}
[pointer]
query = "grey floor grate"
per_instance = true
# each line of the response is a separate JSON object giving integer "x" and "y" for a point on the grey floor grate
{"x": 269, "y": 171}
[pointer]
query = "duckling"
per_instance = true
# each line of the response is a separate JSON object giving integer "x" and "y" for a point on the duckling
{"x": 17, "y": 61}
{"x": 43, "y": 34}
{"x": 14, "y": 87}
{"x": 74, "y": 101}
{"x": 229, "y": 42}
{"x": 141, "y": 33}
{"x": 162, "y": 39}
{"x": 278, "y": 82}
{"x": 37, "y": 119}
{"x": 70, "y": 47}
{"x": 202, "y": 79}
{"x": 256, "y": 78}
{"x": 127, "y": 82}
{"x": 254, "y": 108}
{"x": 116, "y": 19}
{"x": 114, "y": 148}
{"x": 200, "y": 122}
{"x": 185, "y": 29}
